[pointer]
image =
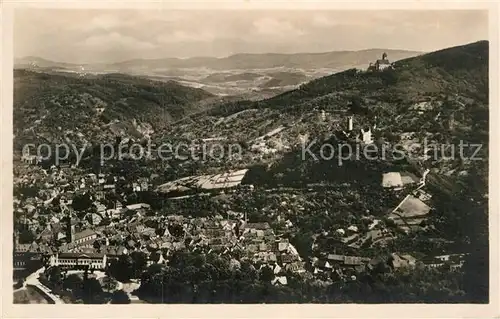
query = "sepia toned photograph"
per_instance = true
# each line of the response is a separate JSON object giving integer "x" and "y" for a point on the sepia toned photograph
{"x": 250, "y": 156}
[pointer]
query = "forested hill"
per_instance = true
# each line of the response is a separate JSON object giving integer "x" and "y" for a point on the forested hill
{"x": 450, "y": 82}
{"x": 456, "y": 70}
{"x": 419, "y": 97}
{"x": 54, "y": 107}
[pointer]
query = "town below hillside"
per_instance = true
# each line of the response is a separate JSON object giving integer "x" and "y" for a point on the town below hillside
{"x": 269, "y": 200}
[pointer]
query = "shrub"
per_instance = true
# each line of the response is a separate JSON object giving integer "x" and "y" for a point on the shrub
{"x": 389, "y": 77}
{"x": 19, "y": 283}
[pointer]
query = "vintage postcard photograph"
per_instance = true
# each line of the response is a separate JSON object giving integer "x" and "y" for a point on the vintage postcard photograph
{"x": 315, "y": 156}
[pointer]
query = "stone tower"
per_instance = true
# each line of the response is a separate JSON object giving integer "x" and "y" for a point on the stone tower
{"x": 70, "y": 228}
{"x": 451, "y": 121}
{"x": 350, "y": 123}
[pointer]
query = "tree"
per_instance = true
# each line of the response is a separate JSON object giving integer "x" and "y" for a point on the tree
{"x": 389, "y": 77}
{"x": 74, "y": 283}
{"x": 56, "y": 202}
{"x": 19, "y": 284}
{"x": 122, "y": 268}
{"x": 26, "y": 191}
{"x": 356, "y": 105}
{"x": 139, "y": 262}
{"x": 176, "y": 230}
{"x": 92, "y": 291}
{"x": 244, "y": 144}
{"x": 120, "y": 297}
{"x": 55, "y": 276}
{"x": 266, "y": 274}
{"x": 393, "y": 137}
{"x": 109, "y": 284}
{"x": 82, "y": 202}
{"x": 302, "y": 241}
{"x": 26, "y": 236}
{"x": 97, "y": 245}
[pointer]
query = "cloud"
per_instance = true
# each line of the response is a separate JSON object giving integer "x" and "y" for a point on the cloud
{"x": 106, "y": 21}
{"x": 274, "y": 27}
{"x": 323, "y": 21}
{"x": 112, "y": 35}
{"x": 114, "y": 40}
{"x": 186, "y": 36}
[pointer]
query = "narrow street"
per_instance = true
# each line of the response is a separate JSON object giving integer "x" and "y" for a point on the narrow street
{"x": 33, "y": 281}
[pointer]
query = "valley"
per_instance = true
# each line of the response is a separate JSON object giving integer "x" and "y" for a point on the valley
{"x": 206, "y": 227}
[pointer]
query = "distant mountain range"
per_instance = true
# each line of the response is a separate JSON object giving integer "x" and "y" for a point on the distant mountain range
{"x": 242, "y": 61}
{"x": 36, "y": 62}
{"x": 456, "y": 70}
{"x": 453, "y": 81}
{"x": 245, "y": 75}
{"x": 273, "y": 60}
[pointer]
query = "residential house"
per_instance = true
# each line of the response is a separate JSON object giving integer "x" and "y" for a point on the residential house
{"x": 402, "y": 261}
{"x": 296, "y": 267}
{"x": 46, "y": 235}
{"x": 280, "y": 281}
{"x": 27, "y": 260}
{"x": 342, "y": 261}
{"x": 410, "y": 212}
{"x": 84, "y": 237}
{"x": 95, "y": 218}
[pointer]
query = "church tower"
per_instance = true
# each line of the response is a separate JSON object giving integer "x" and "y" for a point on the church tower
{"x": 451, "y": 121}
{"x": 70, "y": 228}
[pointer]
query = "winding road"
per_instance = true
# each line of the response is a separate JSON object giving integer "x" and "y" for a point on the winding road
{"x": 32, "y": 280}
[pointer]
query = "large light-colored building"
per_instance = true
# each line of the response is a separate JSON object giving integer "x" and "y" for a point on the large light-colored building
{"x": 205, "y": 182}
{"x": 392, "y": 180}
{"x": 84, "y": 236}
{"x": 79, "y": 260}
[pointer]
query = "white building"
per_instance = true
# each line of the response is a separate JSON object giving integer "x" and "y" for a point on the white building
{"x": 74, "y": 260}
{"x": 392, "y": 180}
{"x": 84, "y": 237}
{"x": 367, "y": 136}
{"x": 323, "y": 115}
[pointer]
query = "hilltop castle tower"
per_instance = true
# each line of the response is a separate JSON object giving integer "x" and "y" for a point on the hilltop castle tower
{"x": 383, "y": 63}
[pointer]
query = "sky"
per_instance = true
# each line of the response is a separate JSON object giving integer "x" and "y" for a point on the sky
{"x": 109, "y": 35}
